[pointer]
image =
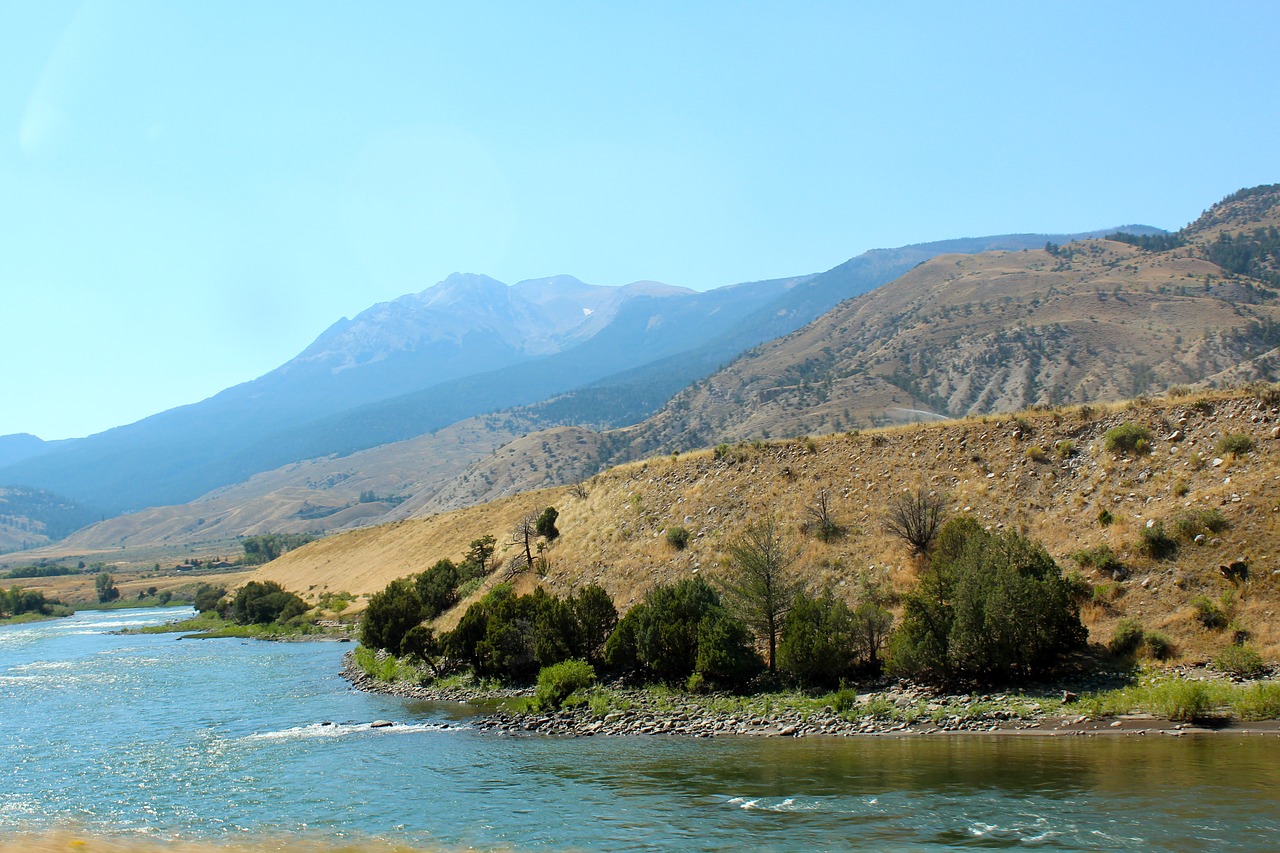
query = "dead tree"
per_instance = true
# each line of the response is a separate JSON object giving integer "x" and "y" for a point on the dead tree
{"x": 524, "y": 536}
{"x": 822, "y": 522}
{"x": 915, "y": 517}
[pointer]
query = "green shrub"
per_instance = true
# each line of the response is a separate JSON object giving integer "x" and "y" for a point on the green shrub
{"x": 1257, "y": 701}
{"x": 208, "y": 597}
{"x": 677, "y": 537}
{"x": 1158, "y": 645}
{"x": 1186, "y": 701}
{"x": 678, "y": 630}
{"x": 545, "y": 526}
{"x": 392, "y": 611}
{"x": 1240, "y": 661}
{"x": 1156, "y": 543}
{"x": 1191, "y": 523}
{"x": 1037, "y": 454}
{"x": 824, "y": 641}
{"x": 993, "y": 606}
{"x": 1126, "y": 639}
{"x": 437, "y": 588}
{"x": 558, "y": 681}
{"x": 817, "y": 644}
{"x": 1103, "y": 559}
{"x": 1236, "y": 443}
{"x": 469, "y": 587}
{"x": 1127, "y": 438}
{"x": 1105, "y": 594}
{"x": 263, "y": 602}
{"x": 1064, "y": 449}
{"x": 1209, "y": 614}
{"x": 844, "y": 700}
{"x": 1105, "y": 518}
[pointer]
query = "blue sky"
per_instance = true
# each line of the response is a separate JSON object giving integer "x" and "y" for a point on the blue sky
{"x": 191, "y": 191}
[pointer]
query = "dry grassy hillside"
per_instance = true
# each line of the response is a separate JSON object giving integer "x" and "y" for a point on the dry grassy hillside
{"x": 538, "y": 460}
{"x": 1009, "y": 472}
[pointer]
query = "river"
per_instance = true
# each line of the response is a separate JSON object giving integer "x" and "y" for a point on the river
{"x": 215, "y": 740}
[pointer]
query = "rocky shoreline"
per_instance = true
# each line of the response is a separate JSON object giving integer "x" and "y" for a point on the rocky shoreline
{"x": 686, "y": 715}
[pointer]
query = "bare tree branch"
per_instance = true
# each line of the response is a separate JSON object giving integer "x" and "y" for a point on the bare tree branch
{"x": 915, "y": 517}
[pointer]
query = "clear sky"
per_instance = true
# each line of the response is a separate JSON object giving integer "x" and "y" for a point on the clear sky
{"x": 190, "y": 192}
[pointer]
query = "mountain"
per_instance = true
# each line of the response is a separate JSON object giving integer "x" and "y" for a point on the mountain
{"x": 23, "y": 445}
{"x": 1092, "y": 320}
{"x": 30, "y": 518}
{"x": 626, "y": 351}
{"x": 461, "y": 327}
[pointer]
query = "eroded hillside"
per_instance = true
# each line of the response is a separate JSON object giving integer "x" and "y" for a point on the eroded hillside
{"x": 1096, "y": 320}
{"x": 1046, "y": 473}
{"x": 1000, "y": 331}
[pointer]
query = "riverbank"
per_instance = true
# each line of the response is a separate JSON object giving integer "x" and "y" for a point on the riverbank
{"x": 210, "y": 626}
{"x": 892, "y": 710}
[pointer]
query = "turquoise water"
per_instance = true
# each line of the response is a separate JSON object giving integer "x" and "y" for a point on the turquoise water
{"x": 221, "y": 740}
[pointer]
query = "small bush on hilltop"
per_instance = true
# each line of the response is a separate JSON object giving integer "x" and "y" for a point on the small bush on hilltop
{"x": 916, "y": 517}
{"x": 1103, "y": 559}
{"x": 1127, "y": 438}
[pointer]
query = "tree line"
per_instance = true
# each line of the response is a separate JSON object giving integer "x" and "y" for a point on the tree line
{"x": 988, "y": 607}
{"x": 17, "y": 601}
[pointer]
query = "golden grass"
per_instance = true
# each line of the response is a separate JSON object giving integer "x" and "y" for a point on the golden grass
{"x": 616, "y": 535}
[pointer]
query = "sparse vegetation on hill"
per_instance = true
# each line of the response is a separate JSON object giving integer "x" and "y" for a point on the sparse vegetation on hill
{"x": 616, "y": 535}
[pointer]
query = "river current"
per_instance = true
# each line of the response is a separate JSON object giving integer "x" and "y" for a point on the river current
{"x": 224, "y": 740}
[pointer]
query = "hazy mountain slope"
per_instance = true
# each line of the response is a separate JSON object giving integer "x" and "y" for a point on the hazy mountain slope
{"x": 30, "y": 518}
{"x": 313, "y": 496}
{"x": 466, "y": 325}
{"x": 15, "y": 448}
{"x": 615, "y": 535}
